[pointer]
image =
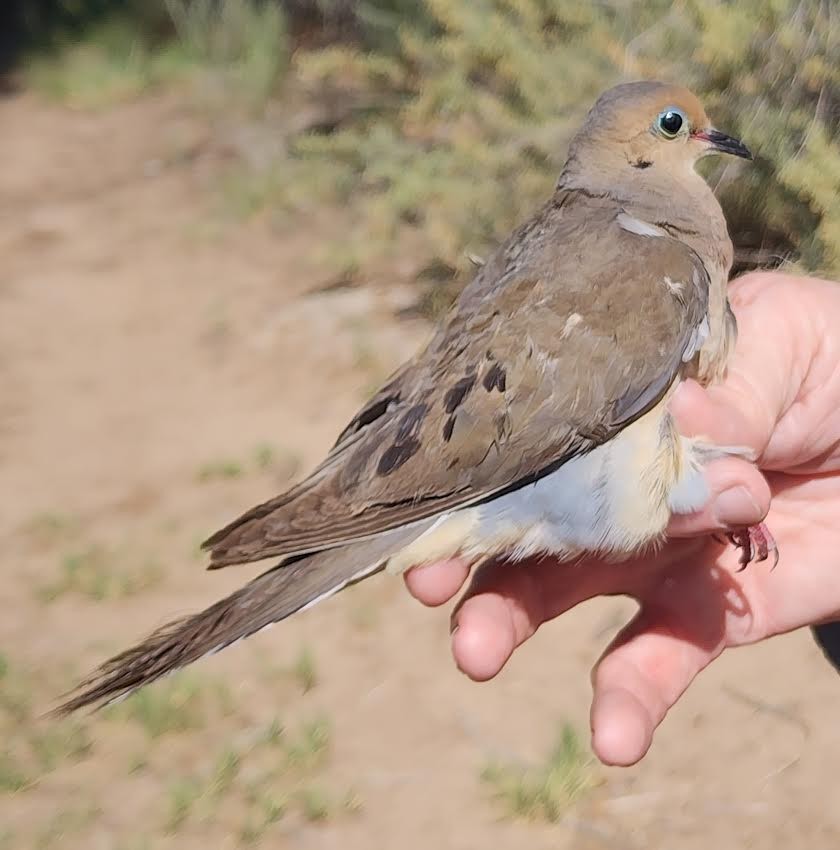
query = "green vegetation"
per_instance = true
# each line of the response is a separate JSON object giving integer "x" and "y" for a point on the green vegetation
{"x": 448, "y": 119}
{"x": 263, "y": 458}
{"x": 310, "y": 748}
{"x": 230, "y": 54}
{"x": 239, "y": 46}
{"x": 220, "y": 470}
{"x": 59, "y": 742}
{"x": 546, "y": 791}
{"x": 12, "y": 776}
{"x": 771, "y": 73}
{"x": 50, "y": 527}
{"x": 32, "y": 748}
{"x": 182, "y": 702}
{"x": 183, "y": 795}
{"x": 305, "y": 671}
{"x": 485, "y": 109}
{"x": 91, "y": 573}
{"x": 279, "y": 774}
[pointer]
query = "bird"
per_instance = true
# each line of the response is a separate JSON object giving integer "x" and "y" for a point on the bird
{"x": 535, "y": 421}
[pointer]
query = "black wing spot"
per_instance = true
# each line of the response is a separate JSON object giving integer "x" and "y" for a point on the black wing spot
{"x": 448, "y": 428}
{"x": 456, "y": 394}
{"x": 368, "y": 415}
{"x": 495, "y": 378}
{"x": 406, "y": 443}
{"x": 395, "y": 456}
{"x": 642, "y": 163}
{"x": 372, "y": 413}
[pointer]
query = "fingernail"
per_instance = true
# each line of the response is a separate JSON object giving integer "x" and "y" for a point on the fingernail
{"x": 735, "y": 507}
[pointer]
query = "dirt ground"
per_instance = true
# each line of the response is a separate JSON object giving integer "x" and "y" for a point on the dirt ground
{"x": 162, "y": 368}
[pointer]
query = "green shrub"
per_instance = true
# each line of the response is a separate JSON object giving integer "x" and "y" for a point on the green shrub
{"x": 449, "y": 119}
{"x": 478, "y": 100}
{"x": 771, "y": 72}
{"x": 233, "y": 54}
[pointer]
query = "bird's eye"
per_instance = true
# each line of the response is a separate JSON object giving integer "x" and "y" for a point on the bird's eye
{"x": 670, "y": 122}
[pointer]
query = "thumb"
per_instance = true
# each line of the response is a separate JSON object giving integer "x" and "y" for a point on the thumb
{"x": 730, "y": 414}
{"x": 777, "y": 338}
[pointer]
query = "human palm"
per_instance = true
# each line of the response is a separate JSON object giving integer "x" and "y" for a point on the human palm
{"x": 781, "y": 399}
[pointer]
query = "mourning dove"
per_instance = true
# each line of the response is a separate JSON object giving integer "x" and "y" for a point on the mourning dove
{"x": 535, "y": 421}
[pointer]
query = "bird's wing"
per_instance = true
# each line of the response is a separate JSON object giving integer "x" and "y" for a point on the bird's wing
{"x": 573, "y": 330}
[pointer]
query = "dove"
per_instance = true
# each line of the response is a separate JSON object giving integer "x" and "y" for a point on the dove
{"x": 535, "y": 421}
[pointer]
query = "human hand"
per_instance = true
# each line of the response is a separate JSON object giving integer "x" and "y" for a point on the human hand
{"x": 782, "y": 399}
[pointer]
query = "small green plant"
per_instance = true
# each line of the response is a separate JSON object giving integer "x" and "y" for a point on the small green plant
{"x": 225, "y": 773}
{"x": 60, "y": 742}
{"x": 182, "y": 797}
{"x": 305, "y": 671}
{"x": 12, "y": 774}
{"x": 311, "y": 746}
{"x": 264, "y": 456}
{"x": 15, "y": 701}
{"x": 177, "y": 705}
{"x": 352, "y": 803}
{"x": 202, "y": 795}
{"x": 91, "y": 573}
{"x": 273, "y": 734}
{"x": 544, "y": 792}
{"x": 51, "y": 527}
{"x": 314, "y": 804}
{"x": 265, "y": 809}
{"x": 220, "y": 470}
{"x": 138, "y": 763}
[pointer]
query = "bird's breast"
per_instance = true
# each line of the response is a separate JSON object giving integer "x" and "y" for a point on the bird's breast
{"x": 612, "y": 501}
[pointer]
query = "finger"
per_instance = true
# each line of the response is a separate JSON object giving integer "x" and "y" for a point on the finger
{"x": 639, "y": 678}
{"x": 507, "y": 602}
{"x": 487, "y": 630}
{"x": 718, "y": 418}
{"x": 434, "y": 584}
{"x": 739, "y": 496}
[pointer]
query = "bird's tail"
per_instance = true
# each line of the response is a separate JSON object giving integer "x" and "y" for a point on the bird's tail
{"x": 269, "y": 598}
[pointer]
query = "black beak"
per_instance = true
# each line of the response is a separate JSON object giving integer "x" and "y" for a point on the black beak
{"x": 723, "y": 143}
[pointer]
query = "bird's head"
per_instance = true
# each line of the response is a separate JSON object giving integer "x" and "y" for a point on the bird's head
{"x": 647, "y": 128}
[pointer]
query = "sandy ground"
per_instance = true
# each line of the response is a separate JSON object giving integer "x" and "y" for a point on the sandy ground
{"x": 161, "y": 369}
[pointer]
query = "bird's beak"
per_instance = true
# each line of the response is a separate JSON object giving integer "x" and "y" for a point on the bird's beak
{"x": 724, "y": 144}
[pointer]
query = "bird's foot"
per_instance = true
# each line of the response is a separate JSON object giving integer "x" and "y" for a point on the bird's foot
{"x": 756, "y": 543}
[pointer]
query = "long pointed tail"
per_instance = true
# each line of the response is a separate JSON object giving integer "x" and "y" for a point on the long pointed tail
{"x": 269, "y": 598}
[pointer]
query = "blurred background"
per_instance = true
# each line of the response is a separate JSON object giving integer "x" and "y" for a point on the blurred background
{"x": 222, "y": 224}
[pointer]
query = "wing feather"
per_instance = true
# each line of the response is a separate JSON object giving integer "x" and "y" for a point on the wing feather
{"x": 547, "y": 354}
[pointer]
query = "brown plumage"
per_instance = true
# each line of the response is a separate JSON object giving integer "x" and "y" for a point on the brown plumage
{"x": 442, "y": 434}
{"x": 576, "y": 328}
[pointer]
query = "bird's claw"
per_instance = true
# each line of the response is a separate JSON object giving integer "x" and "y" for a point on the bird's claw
{"x": 756, "y": 543}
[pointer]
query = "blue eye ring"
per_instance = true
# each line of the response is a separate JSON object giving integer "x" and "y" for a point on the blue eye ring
{"x": 671, "y": 122}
